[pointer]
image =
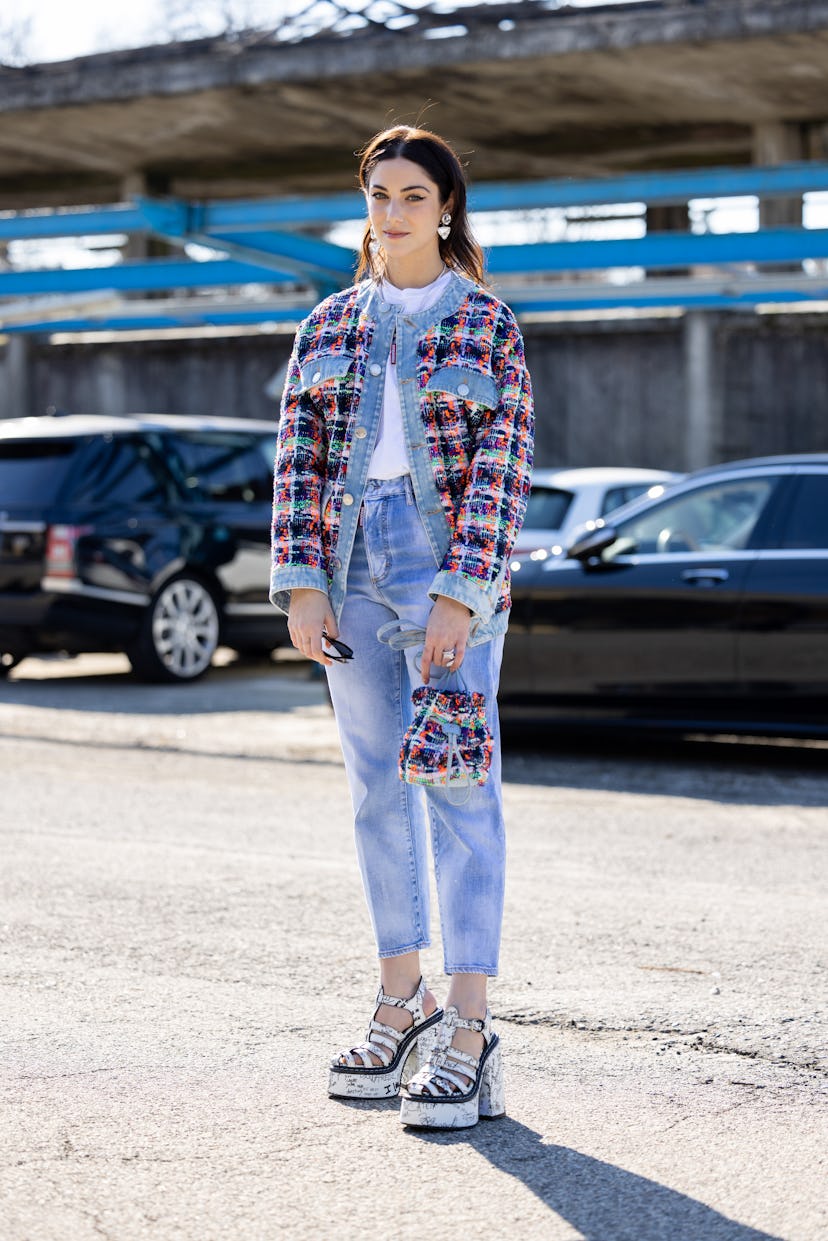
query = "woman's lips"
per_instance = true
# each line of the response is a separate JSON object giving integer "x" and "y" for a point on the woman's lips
{"x": 390, "y": 234}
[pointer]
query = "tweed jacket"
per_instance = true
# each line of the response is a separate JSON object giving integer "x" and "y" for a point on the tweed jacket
{"x": 466, "y": 402}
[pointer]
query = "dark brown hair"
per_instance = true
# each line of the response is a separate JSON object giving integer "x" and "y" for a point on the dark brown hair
{"x": 459, "y": 251}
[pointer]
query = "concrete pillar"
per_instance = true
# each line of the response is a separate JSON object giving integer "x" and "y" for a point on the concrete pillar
{"x": 667, "y": 218}
{"x": 141, "y": 245}
{"x": 777, "y": 142}
{"x": 15, "y": 378}
{"x": 702, "y": 394}
{"x": 816, "y": 140}
{"x": 137, "y": 244}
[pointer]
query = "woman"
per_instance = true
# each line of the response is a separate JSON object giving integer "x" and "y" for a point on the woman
{"x": 402, "y": 474}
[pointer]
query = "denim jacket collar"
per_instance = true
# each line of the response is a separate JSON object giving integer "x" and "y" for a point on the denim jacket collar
{"x": 457, "y": 290}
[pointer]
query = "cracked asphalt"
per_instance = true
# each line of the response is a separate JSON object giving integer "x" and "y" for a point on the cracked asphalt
{"x": 183, "y": 944}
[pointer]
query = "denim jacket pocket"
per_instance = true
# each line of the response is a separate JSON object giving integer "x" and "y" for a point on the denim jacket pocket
{"x": 323, "y": 368}
{"x": 466, "y": 384}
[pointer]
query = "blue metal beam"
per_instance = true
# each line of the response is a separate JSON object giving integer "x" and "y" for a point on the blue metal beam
{"x": 658, "y": 250}
{"x": 308, "y": 258}
{"x": 219, "y": 216}
{"x": 781, "y": 245}
{"x": 158, "y": 322}
{"x": 86, "y": 222}
{"x": 782, "y": 181}
{"x": 624, "y": 296}
{"x": 641, "y": 300}
{"x": 157, "y": 274}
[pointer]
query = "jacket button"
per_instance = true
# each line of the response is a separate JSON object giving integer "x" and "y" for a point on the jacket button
{"x": 317, "y": 375}
{"x": 463, "y": 389}
{"x": 376, "y": 369}
{"x": 336, "y": 562}
{"x": 360, "y": 433}
{"x": 347, "y": 498}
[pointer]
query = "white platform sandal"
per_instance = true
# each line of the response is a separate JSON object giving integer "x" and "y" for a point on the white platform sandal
{"x": 454, "y": 1089}
{"x": 355, "y": 1074}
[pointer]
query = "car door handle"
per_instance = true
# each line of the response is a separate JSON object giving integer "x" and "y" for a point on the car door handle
{"x": 704, "y": 576}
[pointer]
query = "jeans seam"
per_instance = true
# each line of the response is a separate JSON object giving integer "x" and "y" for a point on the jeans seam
{"x": 434, "y": 825}
{"x": 489, "y": 970}
{"x": 405, "y": 792}
{"x": 421, "y": 943}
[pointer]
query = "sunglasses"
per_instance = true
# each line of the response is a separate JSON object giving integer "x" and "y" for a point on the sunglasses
{"x": 345, "y": 652}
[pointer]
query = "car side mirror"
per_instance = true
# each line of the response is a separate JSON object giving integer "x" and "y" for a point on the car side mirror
{"x": 591, "y": 545}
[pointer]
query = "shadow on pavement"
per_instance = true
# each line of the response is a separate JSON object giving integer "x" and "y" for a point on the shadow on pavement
{"x": 602, "y": 1201}
{"x": 736, "y": 771}
{"x": 241, "y": 685}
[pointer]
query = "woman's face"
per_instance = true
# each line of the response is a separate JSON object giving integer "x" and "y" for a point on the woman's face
{"x": 404, "y": 208}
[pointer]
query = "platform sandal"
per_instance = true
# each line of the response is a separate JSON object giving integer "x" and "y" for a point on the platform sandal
{"x": 454, "y": 1089}
{"x": 355, "y": 1074}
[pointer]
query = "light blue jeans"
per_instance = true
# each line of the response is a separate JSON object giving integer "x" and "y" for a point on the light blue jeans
{"x": 390, "y": 571}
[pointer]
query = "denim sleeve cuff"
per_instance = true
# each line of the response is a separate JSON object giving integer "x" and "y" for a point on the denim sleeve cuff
{"x": 284, "y": 579}
{"x": 478, "y": 599}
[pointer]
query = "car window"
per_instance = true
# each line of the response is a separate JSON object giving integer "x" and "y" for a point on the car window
{"x": 121, "y": 470}
{"x": 614, "y": 497}
{"x": 547, "y": 508}
{"x": 718, "y": 517}
{"x": 807, "y": 524}
{"x": 32, "y": 472}
{"x": 228, "y": 467}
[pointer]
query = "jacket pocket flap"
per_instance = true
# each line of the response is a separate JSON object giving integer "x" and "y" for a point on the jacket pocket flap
{"x": 466, "y": 383}
{"x": 327, "y": 366}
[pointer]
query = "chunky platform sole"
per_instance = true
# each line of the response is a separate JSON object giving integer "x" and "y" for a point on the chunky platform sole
{"x": 384, "y": 1083}
{"x": 486, "y": 1098}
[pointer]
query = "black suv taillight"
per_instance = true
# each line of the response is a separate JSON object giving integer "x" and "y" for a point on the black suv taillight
{"x": 60, "y": 550}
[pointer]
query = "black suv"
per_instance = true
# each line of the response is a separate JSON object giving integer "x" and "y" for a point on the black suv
{"x": 705, "y": 609}
{"x": 148, "y": 535}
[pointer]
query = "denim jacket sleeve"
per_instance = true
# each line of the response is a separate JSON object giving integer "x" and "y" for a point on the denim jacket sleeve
{"x": 296, "y": 535}
{"x": 475, "y": 568}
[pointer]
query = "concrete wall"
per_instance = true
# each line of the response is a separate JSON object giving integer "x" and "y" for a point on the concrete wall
{"x": 673, "y": 393}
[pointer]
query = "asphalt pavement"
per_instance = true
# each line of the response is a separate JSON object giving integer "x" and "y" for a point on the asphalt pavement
{"x": 183, "y": 945}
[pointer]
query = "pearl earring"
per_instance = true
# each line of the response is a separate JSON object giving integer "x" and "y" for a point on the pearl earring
{"x": 444, "y": 227}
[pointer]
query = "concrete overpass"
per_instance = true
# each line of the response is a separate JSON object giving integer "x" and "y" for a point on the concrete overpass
{"x": 630, "y": 89}
{"x": 528, "y": 93}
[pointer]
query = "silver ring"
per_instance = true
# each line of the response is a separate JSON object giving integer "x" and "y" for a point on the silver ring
{"x": 448, "y": 656}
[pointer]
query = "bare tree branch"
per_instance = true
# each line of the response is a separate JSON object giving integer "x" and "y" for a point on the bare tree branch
{"x": 16, "y": 41}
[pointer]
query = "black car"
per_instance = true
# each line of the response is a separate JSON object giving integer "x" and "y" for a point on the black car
{"x": 148, "y": 535}
{"x": 703, "y": 610}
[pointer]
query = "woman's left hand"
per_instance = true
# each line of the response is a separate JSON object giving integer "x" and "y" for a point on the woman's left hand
{"x": 447, "y": 630}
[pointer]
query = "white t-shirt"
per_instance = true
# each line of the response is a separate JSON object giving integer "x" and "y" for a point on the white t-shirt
{"x": 389, "y": 458}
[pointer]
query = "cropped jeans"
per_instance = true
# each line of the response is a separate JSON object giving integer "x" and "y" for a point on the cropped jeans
{"x": 390, "y": 571}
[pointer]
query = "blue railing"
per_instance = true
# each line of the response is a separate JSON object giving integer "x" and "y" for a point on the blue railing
{"x": 262, "y": 242}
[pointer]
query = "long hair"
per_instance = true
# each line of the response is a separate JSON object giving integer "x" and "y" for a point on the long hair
{"x": 459, "y": 251}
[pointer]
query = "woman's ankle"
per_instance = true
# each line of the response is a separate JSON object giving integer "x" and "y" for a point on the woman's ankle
{"x": 467, "y": 993}
{"x": 401, "y": 976}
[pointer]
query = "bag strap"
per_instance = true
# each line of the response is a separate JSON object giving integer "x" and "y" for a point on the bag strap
{"x": 399, "y": 634}
{"x": 457, "y": 791}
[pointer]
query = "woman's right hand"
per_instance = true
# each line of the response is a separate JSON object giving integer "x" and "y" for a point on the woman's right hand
{"x": 310, "y": 613}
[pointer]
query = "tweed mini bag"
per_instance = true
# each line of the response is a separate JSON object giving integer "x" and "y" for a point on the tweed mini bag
{"x": 448, "y": 743}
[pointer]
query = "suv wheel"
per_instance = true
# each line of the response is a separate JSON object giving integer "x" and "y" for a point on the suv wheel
{"x": 179, "y": 633}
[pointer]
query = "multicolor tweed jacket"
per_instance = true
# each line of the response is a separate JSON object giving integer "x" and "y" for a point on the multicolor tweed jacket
{"x": 467, "y": 411}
